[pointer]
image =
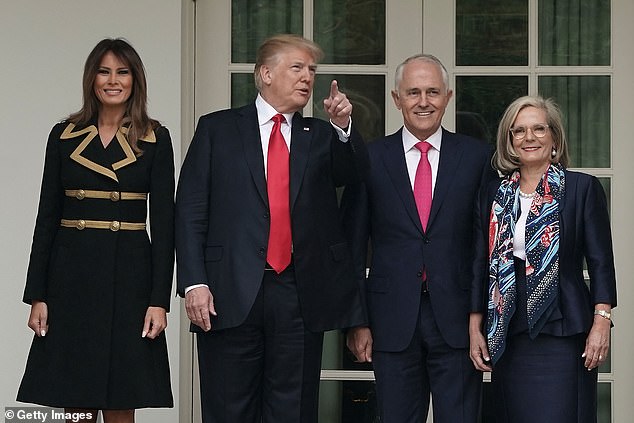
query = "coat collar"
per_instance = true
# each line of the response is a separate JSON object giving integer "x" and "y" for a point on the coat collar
{"x": 90, "y": 133}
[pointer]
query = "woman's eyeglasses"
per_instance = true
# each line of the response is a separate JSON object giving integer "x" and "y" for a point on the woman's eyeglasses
{"x": 520, "y": 132}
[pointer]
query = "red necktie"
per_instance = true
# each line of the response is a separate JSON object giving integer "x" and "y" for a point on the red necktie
{"x": 422, "y": 184}
{"x": 277, "y": 183}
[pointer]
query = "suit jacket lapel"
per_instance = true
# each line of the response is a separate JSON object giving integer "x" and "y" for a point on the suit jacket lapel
{"x": 396, "y": 167}
{"x": 450, "y": 154}
{"x": 301, "y": 139}
{"x": 248, "y": 127}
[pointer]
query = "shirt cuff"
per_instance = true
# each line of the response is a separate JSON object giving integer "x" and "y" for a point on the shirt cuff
{"x": 190, "y": 287}
{"x": 343, "y": 135}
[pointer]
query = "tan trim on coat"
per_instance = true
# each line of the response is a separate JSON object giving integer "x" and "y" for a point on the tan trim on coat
{"x": 92, "y": 132}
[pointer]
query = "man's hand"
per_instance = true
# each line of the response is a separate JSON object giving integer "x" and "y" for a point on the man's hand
{"x": 359, "y": 342}
{"x": 338, "y": 107}
{"x": 199, "y": 304}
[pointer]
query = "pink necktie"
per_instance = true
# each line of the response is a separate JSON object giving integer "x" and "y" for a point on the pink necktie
{"x": 277, "y": 183}
{"x": 422, "y": 184}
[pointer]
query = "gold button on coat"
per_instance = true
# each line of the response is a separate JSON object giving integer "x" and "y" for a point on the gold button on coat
{"x": 115, "y": 226}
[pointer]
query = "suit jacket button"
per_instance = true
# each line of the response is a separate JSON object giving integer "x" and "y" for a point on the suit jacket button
{"x": 419, "y": 274}
{"x": 261, "y": 251}
{"x": 266, "y": 215}
{"x": 426, "y": 241}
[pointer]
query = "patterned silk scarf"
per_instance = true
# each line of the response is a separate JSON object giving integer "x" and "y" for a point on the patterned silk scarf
{"x": 542, "y": 256}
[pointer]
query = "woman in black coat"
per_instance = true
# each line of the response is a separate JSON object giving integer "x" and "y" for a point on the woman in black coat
{"x": 98, "y": 285}
{"x": 535, "y": 323}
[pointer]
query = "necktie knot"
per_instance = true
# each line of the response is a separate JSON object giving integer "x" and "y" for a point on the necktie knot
{"x": 423, "y": 146}
{"x": 278, "y": 118}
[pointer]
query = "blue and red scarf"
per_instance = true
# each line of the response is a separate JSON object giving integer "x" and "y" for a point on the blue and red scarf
{"x": 542, "y": 256}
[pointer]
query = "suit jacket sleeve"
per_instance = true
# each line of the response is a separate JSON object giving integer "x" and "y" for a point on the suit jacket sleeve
{"x": 482, "y": 208}
{"x": 356, "y": 221}
{"x": 350, "y": 159}
{"x": 192, "y": 209}
{"x": 598, "y": 245}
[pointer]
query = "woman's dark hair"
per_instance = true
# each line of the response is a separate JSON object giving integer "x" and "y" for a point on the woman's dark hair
{"x": 135, "y": 117}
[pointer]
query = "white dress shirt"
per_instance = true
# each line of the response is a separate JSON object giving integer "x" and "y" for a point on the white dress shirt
{"x": 412, "y": 155}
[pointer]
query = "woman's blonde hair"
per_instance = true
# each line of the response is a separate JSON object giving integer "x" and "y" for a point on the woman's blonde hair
{"x": 505, "y": 158}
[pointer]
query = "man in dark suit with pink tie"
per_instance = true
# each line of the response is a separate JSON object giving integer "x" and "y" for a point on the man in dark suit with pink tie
{"x": 263, "y": 262}
{"x": 416, "y": 209}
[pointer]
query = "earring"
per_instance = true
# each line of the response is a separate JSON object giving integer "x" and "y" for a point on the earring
{"x": 553, "y": 153}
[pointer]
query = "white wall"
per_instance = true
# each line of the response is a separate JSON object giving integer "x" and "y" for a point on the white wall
{"x": 43, "y": 45}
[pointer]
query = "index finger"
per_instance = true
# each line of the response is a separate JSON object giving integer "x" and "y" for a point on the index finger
{"x": 334, "y": 89}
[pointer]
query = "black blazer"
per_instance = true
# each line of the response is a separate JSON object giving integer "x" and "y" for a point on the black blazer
{"x": 383, "y": 210}
{"x": 222, "y": 217}
{"x": 585, "y": 234}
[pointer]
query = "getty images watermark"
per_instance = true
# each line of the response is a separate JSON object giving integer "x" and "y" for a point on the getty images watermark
{"x": 42, "y": 415}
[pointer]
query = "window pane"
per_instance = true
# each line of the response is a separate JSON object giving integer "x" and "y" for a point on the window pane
{"x": 367, "y": 95}
{"x": 351, "y": 32}
{"x": 243, "y": 89}
{"x": 585, "y": 105}
{"x": 347, "y": 402}
{"x": 481, "y": 101}
{"x": 604, "y": 401}
{"x": 574, "y": 32}
{"x": 606, "y": 183}
{"x": 366, "y": 92}
{"x": 336, "y": 356}
{"x": 491, "y": 33}
{"x": 253, "y": 21}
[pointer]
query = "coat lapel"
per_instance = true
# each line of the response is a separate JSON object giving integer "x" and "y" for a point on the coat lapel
{"x": 301, "y": 139}
{"x": 90, "y": 133}
{"x": 450, "y": 154}
{"x": 394, "y": 160}
{"x": 248, "y": 127}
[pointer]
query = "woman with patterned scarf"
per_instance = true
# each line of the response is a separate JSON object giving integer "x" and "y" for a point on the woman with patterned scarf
{"x": 535, "y": 323}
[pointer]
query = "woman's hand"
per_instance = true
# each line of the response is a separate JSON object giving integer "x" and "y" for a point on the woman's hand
{"x": 478, "y": 351}
{"x": 155, "y": 322}
{"x": 598, "y": 341}
{"x": 38, "y": 319}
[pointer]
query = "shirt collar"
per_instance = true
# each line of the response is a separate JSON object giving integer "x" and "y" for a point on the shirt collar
{"x": 266, "y": 112}
{"x": 409, "y": 140}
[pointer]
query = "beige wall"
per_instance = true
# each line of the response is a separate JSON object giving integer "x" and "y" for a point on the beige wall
{"x": 43, "y": 45}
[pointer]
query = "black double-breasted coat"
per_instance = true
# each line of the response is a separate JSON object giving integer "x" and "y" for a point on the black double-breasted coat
{"x": 98, "y": 283}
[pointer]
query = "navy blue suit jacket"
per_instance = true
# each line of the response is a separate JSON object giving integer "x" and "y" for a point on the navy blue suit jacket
{"x": 222, "y": 217}
{"x": 585, "y": 233}
{"x": 383, "y": 210}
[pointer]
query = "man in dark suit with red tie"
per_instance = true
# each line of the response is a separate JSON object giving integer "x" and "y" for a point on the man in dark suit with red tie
{"x": 263, "y": 263}
{"x": 416, "y": 208}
